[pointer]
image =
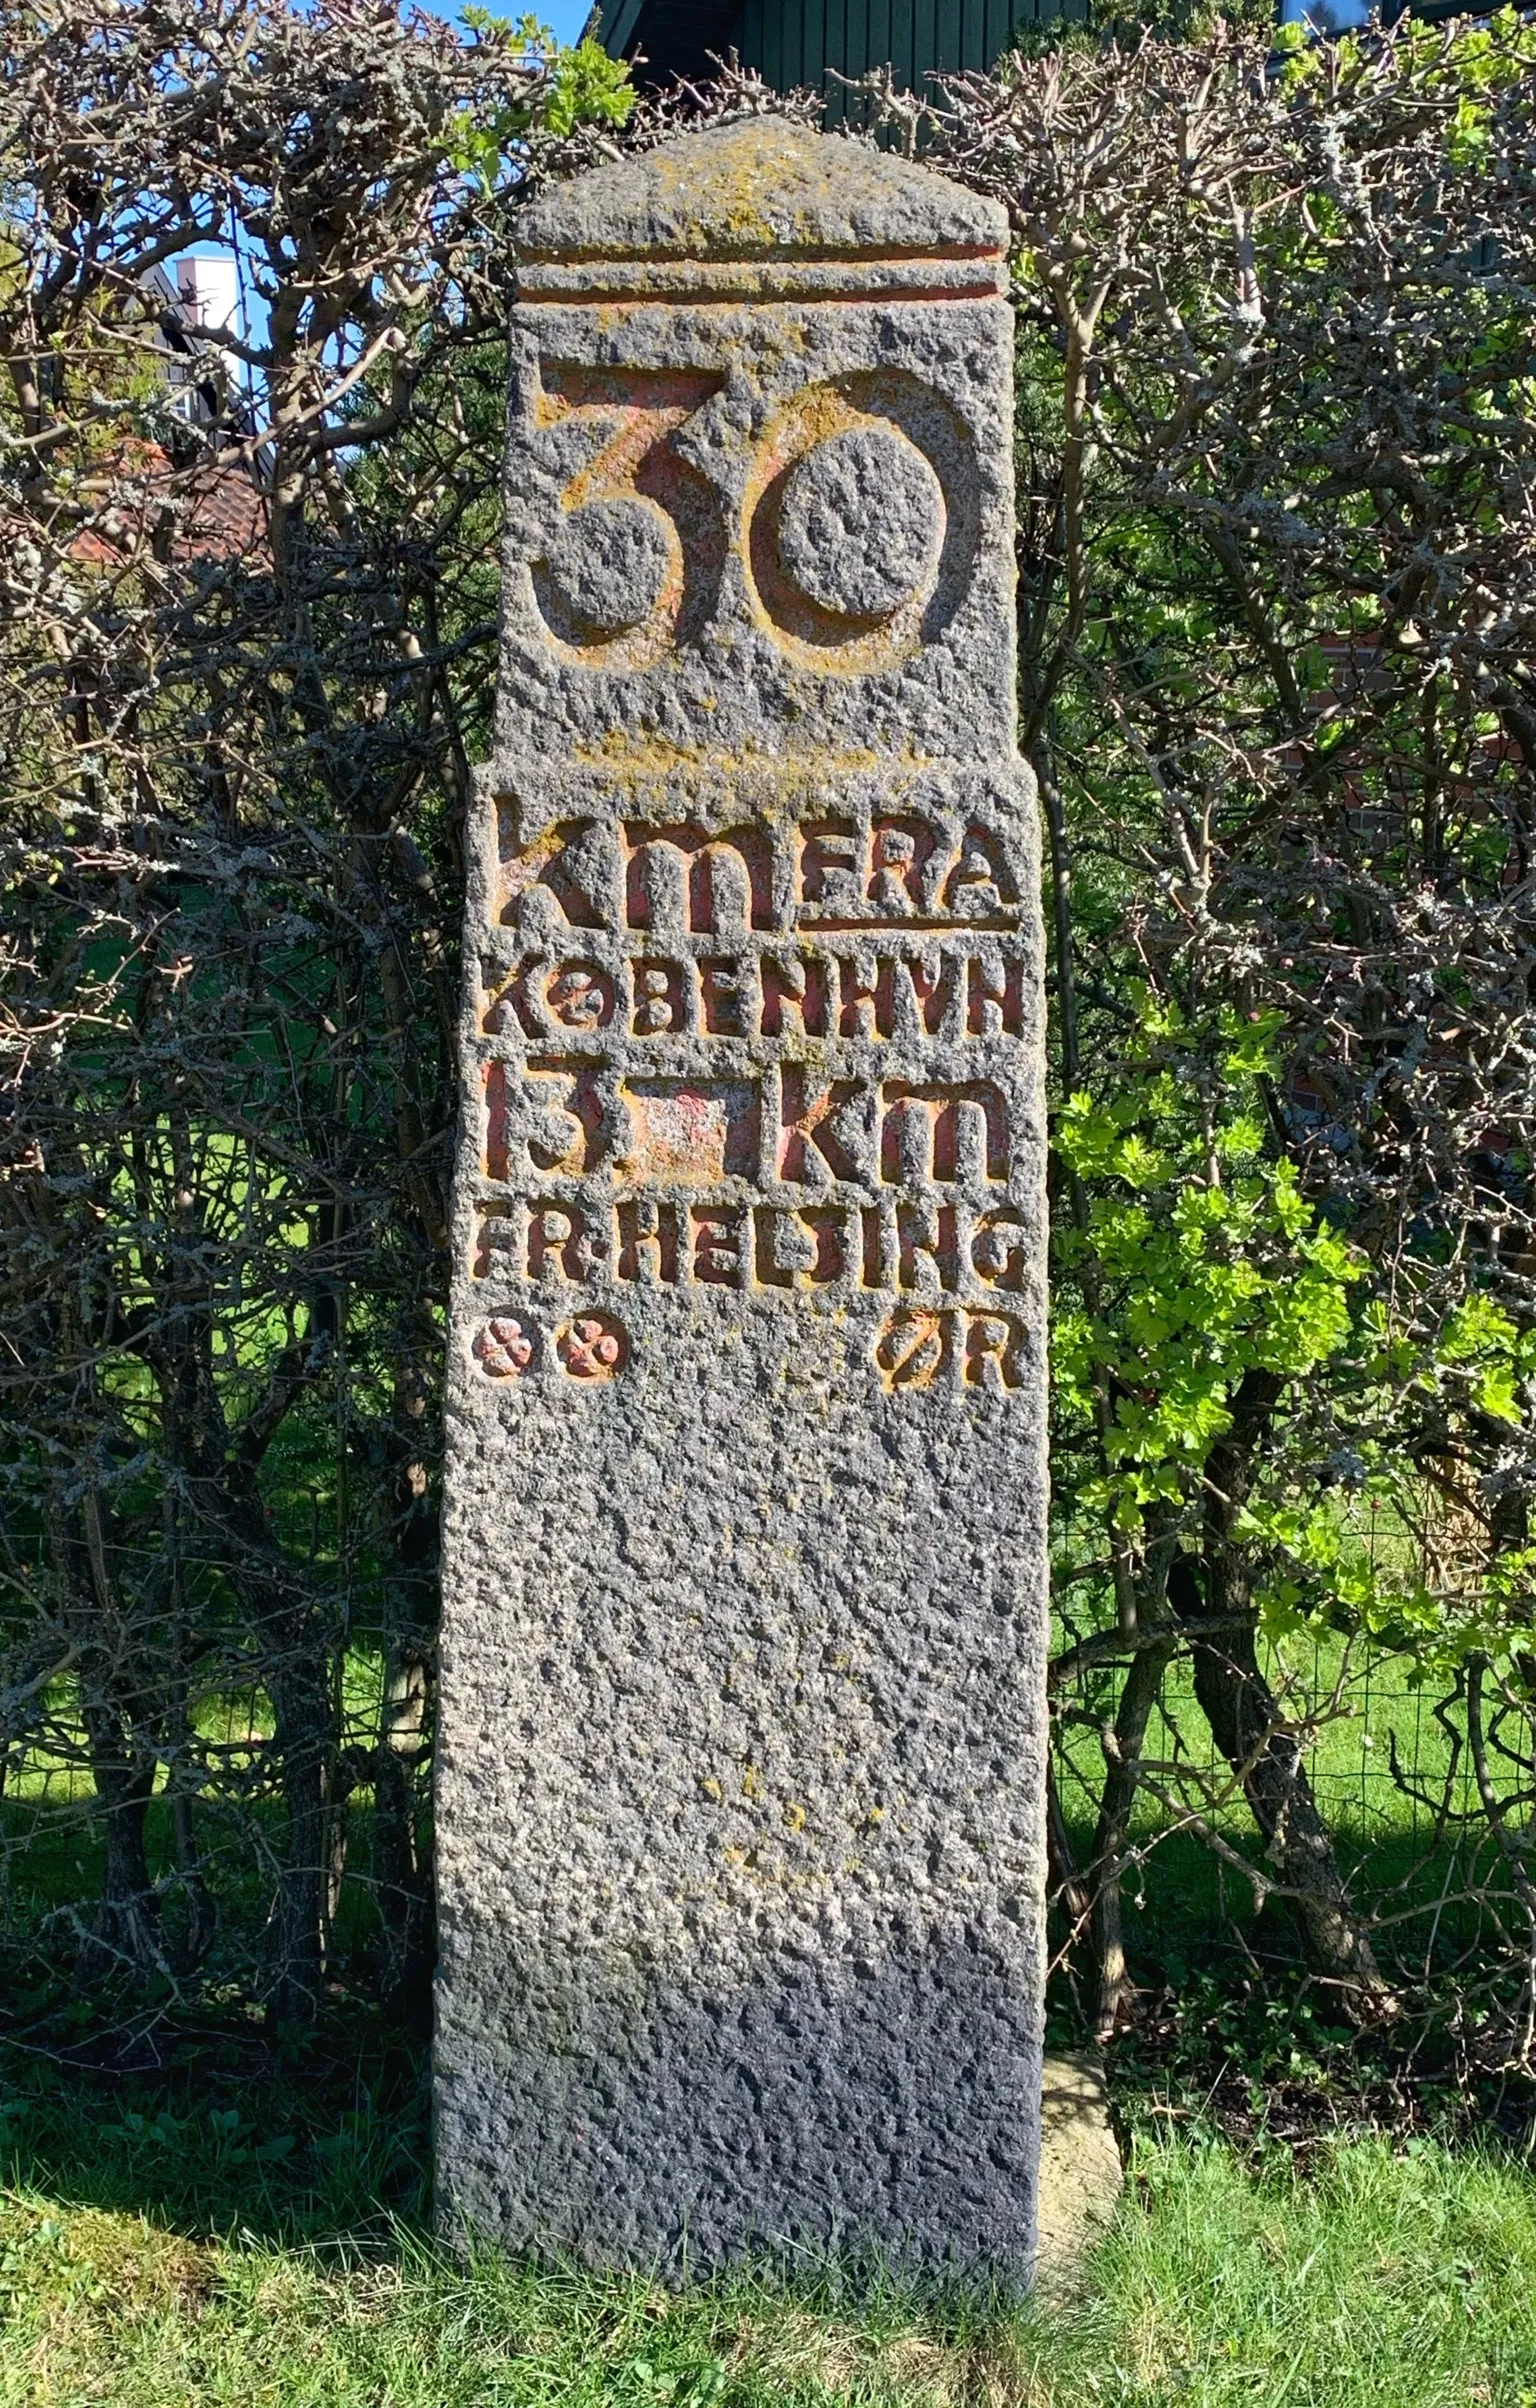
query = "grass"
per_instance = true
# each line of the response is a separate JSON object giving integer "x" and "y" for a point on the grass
{"x": 213, "y": 2233}
{"x": 271, "y": 2253}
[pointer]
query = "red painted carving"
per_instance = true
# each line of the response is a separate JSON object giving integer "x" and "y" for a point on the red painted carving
{"x": 504, "y": 1349}
{"x": 593, "y": 1347}
{"x": 913, "y": 1348}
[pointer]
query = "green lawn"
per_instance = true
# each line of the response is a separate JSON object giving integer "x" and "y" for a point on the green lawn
{"x": 164, "y": 2261}
{"x": 208, "y": 2234}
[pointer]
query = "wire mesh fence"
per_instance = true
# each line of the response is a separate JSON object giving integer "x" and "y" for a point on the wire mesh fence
{"x": 199, "y": 1911}
{"x": 1423, "y": 1772}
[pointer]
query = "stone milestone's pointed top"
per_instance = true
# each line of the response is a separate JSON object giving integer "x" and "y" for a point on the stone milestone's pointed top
{"x": 766, "y": 189}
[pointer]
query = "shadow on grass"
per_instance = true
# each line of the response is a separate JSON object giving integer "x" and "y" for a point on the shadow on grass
{"x": 325, "y": 2143}
{"x": 329, "y": 2287}
{"x": 216, "y": 2130}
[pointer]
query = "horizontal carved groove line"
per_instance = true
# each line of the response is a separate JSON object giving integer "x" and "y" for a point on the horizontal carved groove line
{"x": 809, "y": 923}
{"x": 923, "y": 277}
{"x": 829, "y": 254}
{"x": 608, "y": 296}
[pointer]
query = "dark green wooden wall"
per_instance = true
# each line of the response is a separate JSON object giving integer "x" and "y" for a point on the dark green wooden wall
{"x": 793, "y": 42}
{"x": 797, "y": 41}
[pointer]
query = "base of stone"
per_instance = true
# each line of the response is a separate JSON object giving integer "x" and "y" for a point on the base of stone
{"x": 1080, "y": 2173}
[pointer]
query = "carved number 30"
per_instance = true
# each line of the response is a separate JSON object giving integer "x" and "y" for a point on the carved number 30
{"x": 636, "y": 557}
{"x": 635, "y": 562}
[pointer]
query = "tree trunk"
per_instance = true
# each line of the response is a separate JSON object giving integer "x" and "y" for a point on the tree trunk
{"x": 202, "y": 1915}
{"x": 305, "y": 1737}
{"x": 125, "y": 1944}
{"x": 1122, "y": 1773}
{"x": 1248, "y": 1726}
{"x": 400, "y": 1878}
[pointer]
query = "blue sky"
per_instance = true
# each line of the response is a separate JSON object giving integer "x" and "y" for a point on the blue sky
{"x": 565, "y": 18}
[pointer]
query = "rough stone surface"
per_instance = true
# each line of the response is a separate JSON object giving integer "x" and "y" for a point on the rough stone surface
{"x": 1080, "y": 2173}
{"x": 759, "y": 190}
{"x": 608, "y": 565}
{"x": 861, "y": 523}
{"x": 740, "y": 1851}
